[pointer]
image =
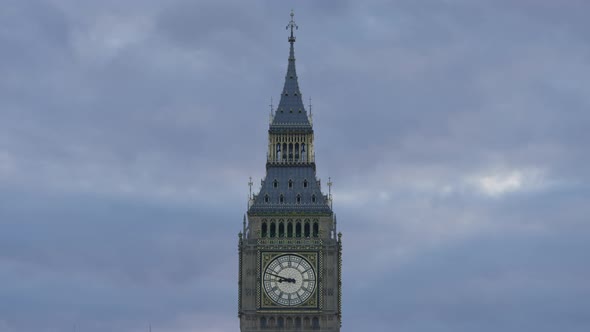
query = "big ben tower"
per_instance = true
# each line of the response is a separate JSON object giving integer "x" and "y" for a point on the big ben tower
{"x": 290, "y": 253}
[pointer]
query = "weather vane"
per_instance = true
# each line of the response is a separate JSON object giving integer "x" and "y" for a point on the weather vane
{"x": 292, "y": 25}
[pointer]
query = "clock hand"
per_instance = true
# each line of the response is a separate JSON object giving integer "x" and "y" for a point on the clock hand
{"x": 287, "y": 280}
{"x": 291, "y": 280}
{"x": 281, "y": 279}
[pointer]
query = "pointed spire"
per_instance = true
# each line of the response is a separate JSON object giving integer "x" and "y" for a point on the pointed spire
{"x": 291, "y": 111}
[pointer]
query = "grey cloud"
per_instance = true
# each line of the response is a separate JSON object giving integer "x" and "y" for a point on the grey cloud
{"x": 474, "y": 285}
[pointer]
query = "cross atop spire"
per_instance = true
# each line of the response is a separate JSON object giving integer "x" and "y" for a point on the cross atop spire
{"x": 292, "y": 25}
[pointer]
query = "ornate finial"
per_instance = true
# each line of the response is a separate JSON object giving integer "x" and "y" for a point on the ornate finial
{"x": 330, "y": 191}
{"x": 250, "y": 185}
{"x": 310, "y": 114}
{"x": 271, "y": 106}
{"x": 270, "y": 117}
{"x": 292, "y": 25}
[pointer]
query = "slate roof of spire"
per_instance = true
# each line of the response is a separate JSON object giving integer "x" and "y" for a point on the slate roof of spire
{"x": 291, "y": 113}
{"x": 282, "y": 175}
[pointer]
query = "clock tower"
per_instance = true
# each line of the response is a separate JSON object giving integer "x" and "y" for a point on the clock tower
{"x": 290, "y": 253}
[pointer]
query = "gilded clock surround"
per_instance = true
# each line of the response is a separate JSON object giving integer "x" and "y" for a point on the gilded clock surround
{"x": 312, "y": 303}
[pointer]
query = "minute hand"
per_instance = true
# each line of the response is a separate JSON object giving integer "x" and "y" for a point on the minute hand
{"x": 276, "y": 275}
{"x": 282, "y": 278}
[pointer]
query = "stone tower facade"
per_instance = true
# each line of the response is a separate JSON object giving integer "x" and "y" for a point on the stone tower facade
{"x": 290, "y": 254}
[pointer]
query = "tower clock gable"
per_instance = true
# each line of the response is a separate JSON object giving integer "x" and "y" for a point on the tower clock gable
{"x": 289, "y": 249}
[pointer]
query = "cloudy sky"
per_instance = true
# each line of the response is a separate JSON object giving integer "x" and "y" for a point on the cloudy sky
{"x": 456, "y": 133}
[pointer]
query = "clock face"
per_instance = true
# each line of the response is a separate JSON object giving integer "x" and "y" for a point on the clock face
{"x": 289, "y": 280}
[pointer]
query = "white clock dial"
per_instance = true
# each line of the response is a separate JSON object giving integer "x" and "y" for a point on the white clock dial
{"x": 289, "y": 280}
